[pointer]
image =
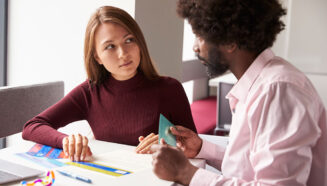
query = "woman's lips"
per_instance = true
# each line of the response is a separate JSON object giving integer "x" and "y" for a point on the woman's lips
{"x": 126, "y": 64}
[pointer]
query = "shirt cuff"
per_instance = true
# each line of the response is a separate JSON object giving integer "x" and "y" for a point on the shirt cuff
{"x": 203, "y": 177}
{"x": 207, "y": 150}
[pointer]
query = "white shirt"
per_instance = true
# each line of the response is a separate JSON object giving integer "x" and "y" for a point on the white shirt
{"x": 278, "y": 133}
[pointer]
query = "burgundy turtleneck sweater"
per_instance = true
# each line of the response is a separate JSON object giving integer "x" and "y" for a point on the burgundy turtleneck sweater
{"x": 117, "y": 111}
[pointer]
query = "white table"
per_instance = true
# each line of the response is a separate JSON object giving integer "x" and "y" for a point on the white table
{"x": 144, "y": 177}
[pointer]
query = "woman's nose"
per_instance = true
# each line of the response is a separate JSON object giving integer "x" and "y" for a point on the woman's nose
{"x": 122, "y": 52}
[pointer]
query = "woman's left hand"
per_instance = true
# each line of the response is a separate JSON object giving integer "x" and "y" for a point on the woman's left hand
{"x": 145, "y": 144}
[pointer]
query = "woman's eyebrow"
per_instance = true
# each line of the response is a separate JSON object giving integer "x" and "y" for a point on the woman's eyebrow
{"x": 110, "y": 40}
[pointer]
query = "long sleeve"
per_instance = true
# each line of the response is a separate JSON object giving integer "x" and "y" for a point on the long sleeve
{"x": 117, "y": 111}
{"x": 176, "y": 105}
{"x": 283, "y": 128}
{"x": 212, "y": 153}
{"x": 43, "y": 127}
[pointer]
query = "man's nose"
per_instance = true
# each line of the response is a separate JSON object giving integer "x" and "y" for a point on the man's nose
{"x": 196, "y": 48}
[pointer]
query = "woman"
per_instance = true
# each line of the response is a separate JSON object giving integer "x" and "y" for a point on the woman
{"x": 123, "y": 96}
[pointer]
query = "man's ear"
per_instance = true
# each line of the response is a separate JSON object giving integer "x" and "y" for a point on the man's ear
{"x": 230, "y": 48}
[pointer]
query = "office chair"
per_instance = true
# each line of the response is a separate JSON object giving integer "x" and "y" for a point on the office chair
{"x": 18, "y": 104}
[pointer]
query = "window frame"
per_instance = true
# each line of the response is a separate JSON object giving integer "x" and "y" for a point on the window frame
{"x": 3, "y": 50}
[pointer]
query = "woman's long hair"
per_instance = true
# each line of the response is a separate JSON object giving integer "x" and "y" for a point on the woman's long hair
{"x": 97, "y": 73}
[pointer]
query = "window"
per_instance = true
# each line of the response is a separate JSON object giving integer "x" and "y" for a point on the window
{"x": 3, "y": 50}
{"x": 3, "y": 41}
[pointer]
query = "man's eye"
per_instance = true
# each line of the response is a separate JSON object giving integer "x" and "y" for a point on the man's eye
{"x": 110, "y": 46}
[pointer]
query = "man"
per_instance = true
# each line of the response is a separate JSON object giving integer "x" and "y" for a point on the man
{"x": 278, "y": 131}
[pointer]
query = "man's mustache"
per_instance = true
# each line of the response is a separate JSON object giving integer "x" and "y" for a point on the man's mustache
{"x": 206, "y": 63}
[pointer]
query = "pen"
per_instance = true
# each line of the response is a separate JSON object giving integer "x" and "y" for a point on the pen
{"x": 69, "y": 174}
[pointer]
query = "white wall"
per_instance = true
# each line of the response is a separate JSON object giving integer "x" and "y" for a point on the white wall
{"x": 188, "y": 41}
{"x": 46, "y": 40}
{"x": 320, "y": 81}
{"x": 281, "y": 44}
{"x": 308, "y": 35}
{"x": 163, "y": 31}
{"x": 303, "y": 41}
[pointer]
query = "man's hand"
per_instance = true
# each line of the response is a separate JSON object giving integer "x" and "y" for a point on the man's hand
{"x": 169, "y": 163}
{"x": 145, "y": 144}
{"x": 187, "y": 140}
{"x": 76, "y": 147}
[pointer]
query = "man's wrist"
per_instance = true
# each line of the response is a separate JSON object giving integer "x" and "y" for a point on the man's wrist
{"x": 200, "y": 147}
{"x": 187, "y": 174}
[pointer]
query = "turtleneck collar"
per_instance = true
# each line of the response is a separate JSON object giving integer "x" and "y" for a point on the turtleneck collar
{"x": 125, "y": 85}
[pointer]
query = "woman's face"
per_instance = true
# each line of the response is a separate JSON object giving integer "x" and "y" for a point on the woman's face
{"x": 117, "y": 51}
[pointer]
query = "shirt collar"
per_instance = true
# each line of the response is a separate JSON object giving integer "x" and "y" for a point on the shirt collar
{"x": 241, "y": 88}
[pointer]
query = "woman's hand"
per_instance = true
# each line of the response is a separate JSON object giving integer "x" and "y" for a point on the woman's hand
{"x": 145, "y": 144}
{"x": 76, "y": 147}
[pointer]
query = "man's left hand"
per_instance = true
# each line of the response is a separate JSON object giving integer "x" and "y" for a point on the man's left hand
{"x": 169, "y": 163}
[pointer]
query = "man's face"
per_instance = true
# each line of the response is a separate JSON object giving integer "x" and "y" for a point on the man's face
{"x": 210, "y": 56}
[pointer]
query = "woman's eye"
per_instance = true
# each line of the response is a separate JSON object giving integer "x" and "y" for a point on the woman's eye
{"x": 129, "y": 40}
{"x": 110, "y": 46}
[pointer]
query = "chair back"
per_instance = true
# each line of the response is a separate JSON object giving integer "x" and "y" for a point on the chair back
{"x": 18, "y": 104}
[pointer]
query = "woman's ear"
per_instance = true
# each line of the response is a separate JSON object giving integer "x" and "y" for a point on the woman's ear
{"x": 95, "y": 55}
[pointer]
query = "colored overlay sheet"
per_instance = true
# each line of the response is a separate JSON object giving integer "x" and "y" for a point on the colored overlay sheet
{"x": 42, "y": 161}
{"x": 46, "y": 151}
{"x": 164, "y": 131}
{"x": 116, "y": 163}
{"x": 44, "y": 155}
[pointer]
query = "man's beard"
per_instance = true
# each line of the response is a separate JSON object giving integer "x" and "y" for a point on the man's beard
{"x": 216, "y": 65}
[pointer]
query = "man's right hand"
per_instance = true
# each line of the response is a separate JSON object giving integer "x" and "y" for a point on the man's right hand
{"x": 76, "y": 148}
{"x": 187, "y": 140}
